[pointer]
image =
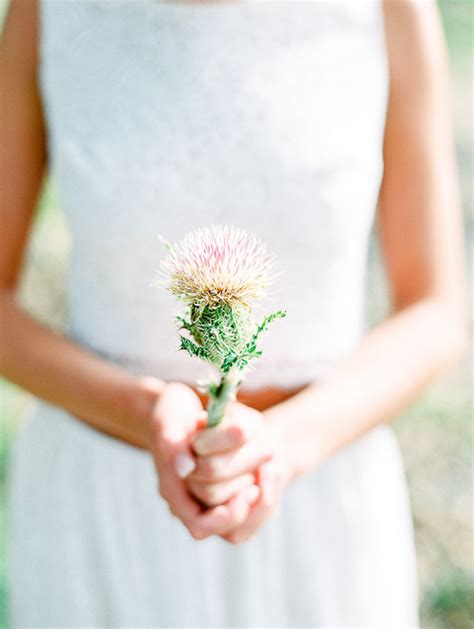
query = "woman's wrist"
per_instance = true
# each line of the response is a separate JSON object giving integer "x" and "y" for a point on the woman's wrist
{"x": 142, "y": 397}
{"x": 301, "y": 434}
{"x": 284, "y": 440}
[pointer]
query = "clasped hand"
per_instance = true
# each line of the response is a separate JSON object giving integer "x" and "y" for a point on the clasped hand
{"x": 225, "y": 480}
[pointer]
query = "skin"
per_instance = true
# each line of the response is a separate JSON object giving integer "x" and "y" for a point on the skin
{"x": 243, "y": 466}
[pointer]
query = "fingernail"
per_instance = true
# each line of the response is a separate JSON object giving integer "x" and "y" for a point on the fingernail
{"x": 184, "y": 464}
{"x": 251, "y": 493}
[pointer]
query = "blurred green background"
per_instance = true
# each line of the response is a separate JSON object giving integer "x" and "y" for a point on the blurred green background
{"x": 435, "y": 433}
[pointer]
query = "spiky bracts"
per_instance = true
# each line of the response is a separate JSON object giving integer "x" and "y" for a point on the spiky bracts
{"x": 219, "y": 272}
{"x": 225, "y": 337}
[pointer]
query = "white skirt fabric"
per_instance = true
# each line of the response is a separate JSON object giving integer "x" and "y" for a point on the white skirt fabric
{"x": 92, "y": 544}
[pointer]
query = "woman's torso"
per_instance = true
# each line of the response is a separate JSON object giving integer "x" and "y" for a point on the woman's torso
{"x": 163, "y": 117}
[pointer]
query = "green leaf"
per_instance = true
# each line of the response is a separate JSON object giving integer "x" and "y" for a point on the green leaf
{"x": 229, "y": 361}
{"x": 252, "y": 344}
{"x": 184, "y": 324}
{"x": 193, "y": 349}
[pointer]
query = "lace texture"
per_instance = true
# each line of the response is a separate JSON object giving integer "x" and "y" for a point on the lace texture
{"x": 163, "y": 117}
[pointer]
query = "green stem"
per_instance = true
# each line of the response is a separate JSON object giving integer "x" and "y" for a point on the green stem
{"x": 219, "y": 399}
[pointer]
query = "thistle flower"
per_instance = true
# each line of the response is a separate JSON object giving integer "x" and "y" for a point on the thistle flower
{"x": 219, "y": 265}
{"x": 219, "y": 272}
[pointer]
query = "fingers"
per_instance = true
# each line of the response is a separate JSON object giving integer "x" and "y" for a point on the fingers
{"x": 212, "y": 494}
{"x": 211, "y": 521}
{"x": 228, "y": 456}
{"x": 218, "y": 520}
{"x": 177, "y": 416}
{"x": 270, "y": 491}
{"x": 214, "y": 521}
{"x": 221, "y": 467}
{"x": 239, "y": 507}
{"x": 180, "y": 503}
{"x": 238, "y": 426}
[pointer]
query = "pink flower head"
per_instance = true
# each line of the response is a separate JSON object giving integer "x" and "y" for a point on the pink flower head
{"x": 218, "y": 265}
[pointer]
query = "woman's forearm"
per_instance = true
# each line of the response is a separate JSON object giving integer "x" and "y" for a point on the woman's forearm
{"x": 393, "y": 364}
{"x": 62, "y": 373}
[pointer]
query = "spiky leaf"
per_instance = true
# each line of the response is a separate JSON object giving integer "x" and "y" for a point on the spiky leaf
{"x": 193, "y": 349}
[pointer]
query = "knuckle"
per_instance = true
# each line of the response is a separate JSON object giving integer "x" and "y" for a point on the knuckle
{"x": 232, "y": 539}
{"x": 196, "y": 532}
{"x": 209, "y": 468}
{"x": 237, "y": 433}
{"x": 199, "y": 445}
{"x": 266, "y": 501}
{"x": 209, "y": 494}
{"x": 236, "y": 538}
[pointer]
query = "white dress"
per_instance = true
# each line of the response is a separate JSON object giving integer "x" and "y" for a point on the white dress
{"x": 162, "y": 117}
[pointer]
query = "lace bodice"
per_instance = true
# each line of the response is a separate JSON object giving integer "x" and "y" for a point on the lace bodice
{"x": 165, "y": 116}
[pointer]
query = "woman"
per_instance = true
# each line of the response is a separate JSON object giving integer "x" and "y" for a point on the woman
{"x": 294, "y": 121}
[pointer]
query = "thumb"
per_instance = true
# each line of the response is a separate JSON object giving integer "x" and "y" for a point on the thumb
{"x": 184, "y": 461}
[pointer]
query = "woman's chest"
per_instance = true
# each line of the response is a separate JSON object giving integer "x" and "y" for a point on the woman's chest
{"x": 303, "y": 83}
{"x": 163, "y": 117}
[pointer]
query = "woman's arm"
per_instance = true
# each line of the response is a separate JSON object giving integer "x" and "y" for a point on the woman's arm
{"x": 32, "y": 356}
{"x": 421, "y": 238}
